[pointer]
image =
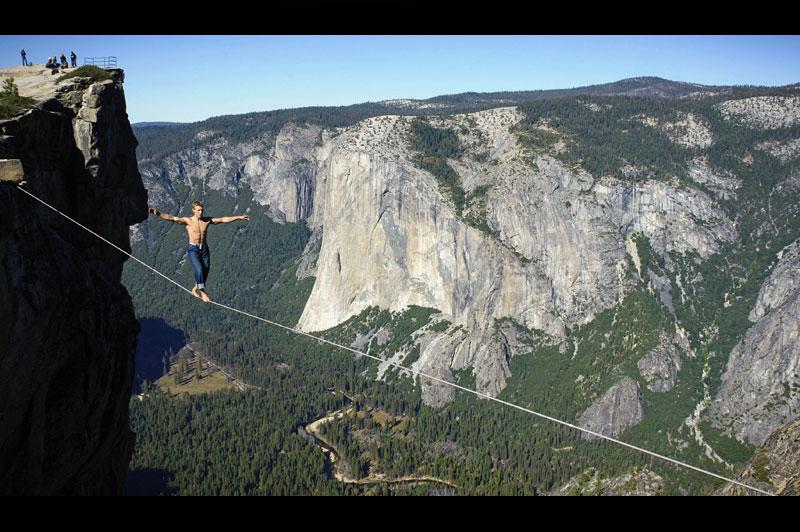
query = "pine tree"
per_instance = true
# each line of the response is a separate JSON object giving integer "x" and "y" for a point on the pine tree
{"x": 9, "y": 88}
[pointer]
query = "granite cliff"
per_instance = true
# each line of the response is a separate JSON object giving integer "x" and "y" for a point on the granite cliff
{"x": 761, "y": 384}
{"x": 67, "y": 326}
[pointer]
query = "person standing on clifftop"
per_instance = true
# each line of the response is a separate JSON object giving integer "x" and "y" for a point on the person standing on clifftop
{"x": 24, "y": 57}
{"x": 74, "y": 59}
{"x": 199, "y": 256}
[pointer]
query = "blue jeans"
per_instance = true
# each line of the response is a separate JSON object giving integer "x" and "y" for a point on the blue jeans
{"x": 200, "y": 258}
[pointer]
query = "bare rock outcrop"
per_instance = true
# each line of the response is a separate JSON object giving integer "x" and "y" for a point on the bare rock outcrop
{"x": 619, "y": 408}
{"x": 636, "y": 483}
{"x": 279, "y": 168}
{"x": 659, "y": 368}
{"x": 722, "y": 184}
{"x": 761, "y": 385}
{"x": 688, "y": 130}
{"x": 782, "y": 285}
{"x": 431, "y": 345}
{"x": 763, "y": 112}
{"x": 784, "y": 151}
{"x": 307, "y": 267}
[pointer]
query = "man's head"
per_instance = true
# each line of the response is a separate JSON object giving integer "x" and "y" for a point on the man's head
{"x": 197, "y": 208}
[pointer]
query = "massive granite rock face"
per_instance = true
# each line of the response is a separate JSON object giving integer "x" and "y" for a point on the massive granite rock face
{"x": 285, "y": 178}
{"x": 391, "y": 240}
{"x": 557, "y": 256}
{"x": 67, "y": 325}
{"x": 280, "y": 169}
{"x": 761, "y": 385}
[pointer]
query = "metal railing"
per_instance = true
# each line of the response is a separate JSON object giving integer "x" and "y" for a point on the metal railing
{"x": 103, "y": 62}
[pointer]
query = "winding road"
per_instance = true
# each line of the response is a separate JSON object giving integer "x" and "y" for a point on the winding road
{"x": 330, "y": 451}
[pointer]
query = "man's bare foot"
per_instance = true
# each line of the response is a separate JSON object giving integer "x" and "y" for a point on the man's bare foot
{"x": 194, "y": 292}
{"x": 204, "y": 296}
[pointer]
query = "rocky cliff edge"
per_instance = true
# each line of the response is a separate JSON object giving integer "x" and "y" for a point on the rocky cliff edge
{"x": 67, "y": 325}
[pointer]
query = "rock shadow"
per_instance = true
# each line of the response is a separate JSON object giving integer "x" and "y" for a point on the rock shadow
{"x": 156, "y": 342}
{"x": 150, "y": 482}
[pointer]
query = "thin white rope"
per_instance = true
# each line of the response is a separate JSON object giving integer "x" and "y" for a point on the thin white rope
{"x": 19, "y": 187}
{"x": 422, "y": 374}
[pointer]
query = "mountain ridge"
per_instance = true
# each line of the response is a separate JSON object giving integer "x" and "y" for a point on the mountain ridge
{"x": 643, "y": 85}
{"x": 155, "y": 143}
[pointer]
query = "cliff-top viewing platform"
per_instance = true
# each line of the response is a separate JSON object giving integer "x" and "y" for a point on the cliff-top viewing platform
{"x": 38, "y": 82}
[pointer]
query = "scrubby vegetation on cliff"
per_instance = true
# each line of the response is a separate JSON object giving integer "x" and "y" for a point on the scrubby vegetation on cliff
{"x": 433, "y": 146}
{"x": 11, "y": 102}
{"x": 92, "y": 72}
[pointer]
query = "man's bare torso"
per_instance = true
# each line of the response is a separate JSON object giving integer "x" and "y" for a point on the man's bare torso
{"x": 197, "y": 228}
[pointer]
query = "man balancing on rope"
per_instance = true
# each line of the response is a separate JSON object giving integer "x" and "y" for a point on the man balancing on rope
{"x": 199, "y": 256}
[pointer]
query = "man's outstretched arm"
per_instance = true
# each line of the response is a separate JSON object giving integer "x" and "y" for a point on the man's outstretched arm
{"x": 165, "y": 216}
{"x": 228, "y": 219}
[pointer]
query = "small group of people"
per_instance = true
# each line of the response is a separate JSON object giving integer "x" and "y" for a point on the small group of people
{"x": 52, "y": 62}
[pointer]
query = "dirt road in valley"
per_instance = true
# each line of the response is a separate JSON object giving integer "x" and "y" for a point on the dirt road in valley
{"x": 313, "y": 429}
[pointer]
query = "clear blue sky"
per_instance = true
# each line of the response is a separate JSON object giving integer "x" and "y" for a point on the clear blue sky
{"x": 190, "y": 78}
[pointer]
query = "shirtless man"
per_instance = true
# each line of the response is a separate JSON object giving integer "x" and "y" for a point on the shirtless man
{"x": 196, "y": 227}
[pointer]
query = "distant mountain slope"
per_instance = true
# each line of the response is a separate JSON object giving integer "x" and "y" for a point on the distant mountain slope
{"x": 151, "y": 124}
{"x": 640, "y": 86}
{"x": 158, "y": 139}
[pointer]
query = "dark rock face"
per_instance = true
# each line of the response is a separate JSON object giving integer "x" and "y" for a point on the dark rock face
{"x": 67, "y": 325}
